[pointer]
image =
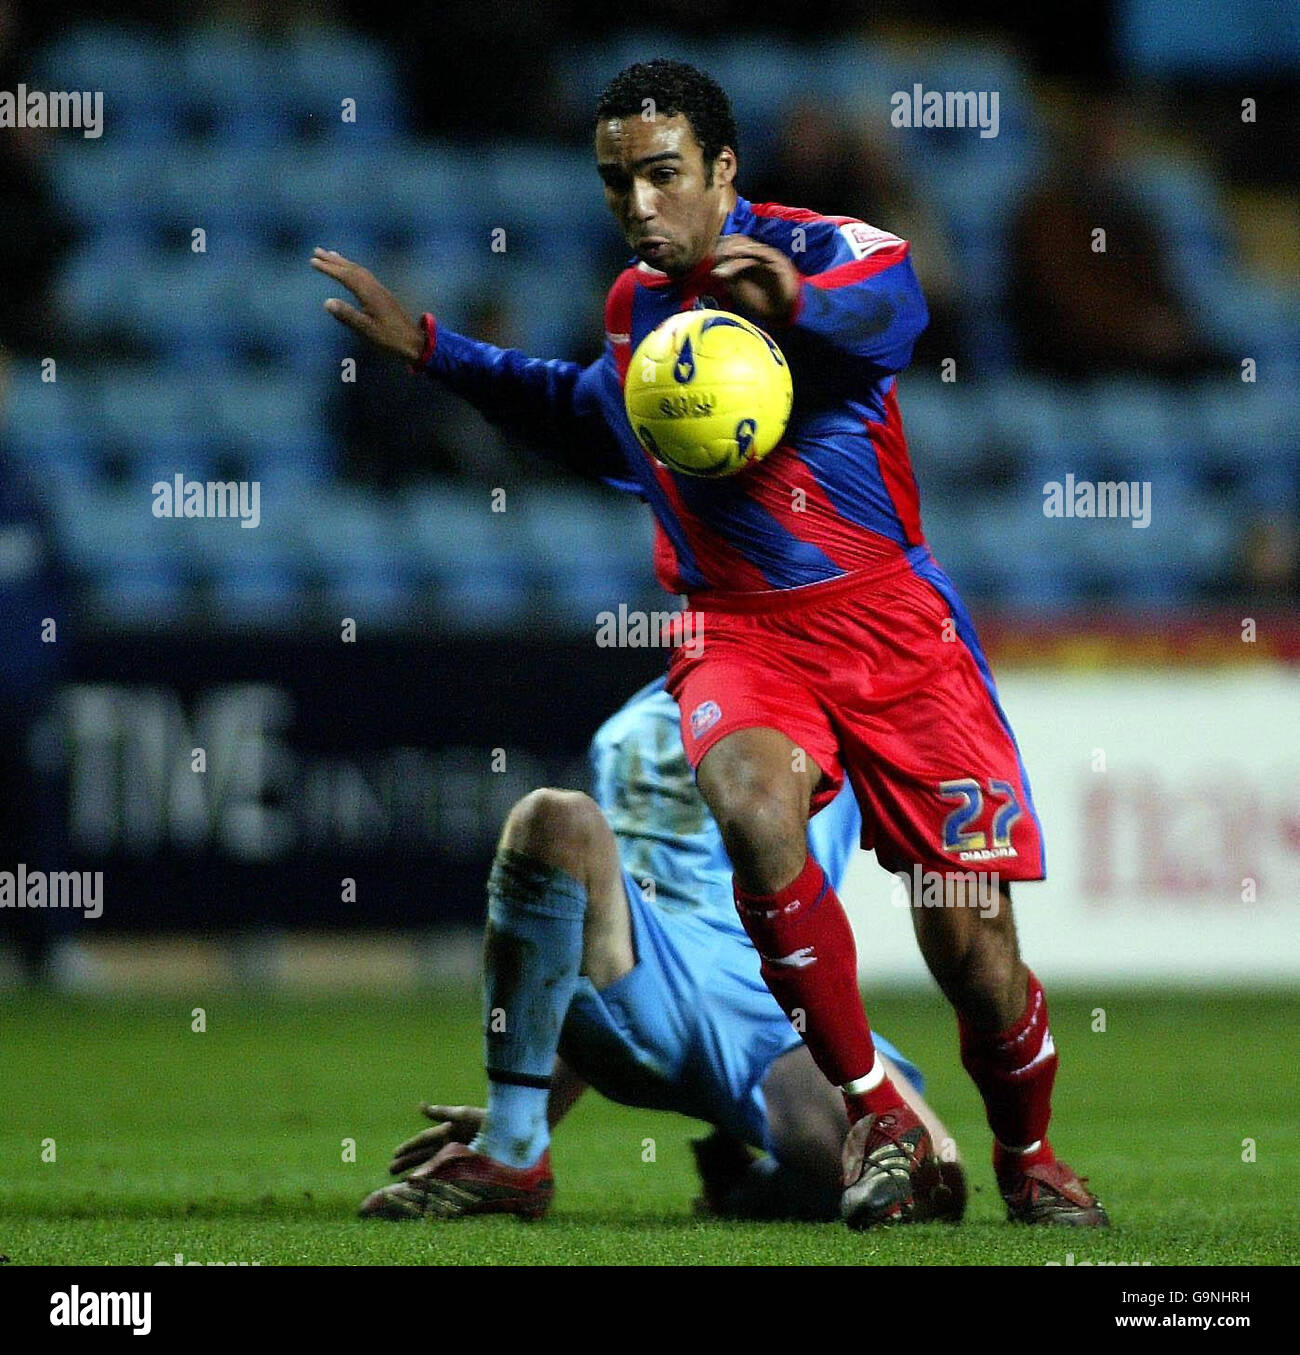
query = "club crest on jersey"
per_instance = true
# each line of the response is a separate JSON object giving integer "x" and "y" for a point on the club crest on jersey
{"x": 704, "y": 717}
{"x": 684, "y": 367}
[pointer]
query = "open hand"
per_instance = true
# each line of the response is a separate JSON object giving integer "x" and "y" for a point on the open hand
{"x": 382, "y": 319}
{"x": 763, "y": 283}
{"x": 451, "y": 1124}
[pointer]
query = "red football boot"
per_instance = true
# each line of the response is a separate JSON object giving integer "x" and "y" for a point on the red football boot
{"x": 1049, "y": 1193}
{"x": 457, "y": 1183}
{"x": 891, "y": 1173}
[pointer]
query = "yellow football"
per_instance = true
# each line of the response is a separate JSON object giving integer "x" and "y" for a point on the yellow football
{"x": 708, "y": 393}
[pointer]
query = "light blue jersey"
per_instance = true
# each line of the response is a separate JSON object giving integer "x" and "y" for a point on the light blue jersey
{"x": 665, "y": 832}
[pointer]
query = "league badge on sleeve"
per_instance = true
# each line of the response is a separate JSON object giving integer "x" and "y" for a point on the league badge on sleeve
{"x": 704, "y": 717}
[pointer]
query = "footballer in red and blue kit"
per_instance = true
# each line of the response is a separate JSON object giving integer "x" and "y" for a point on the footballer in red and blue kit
{"x": 824, "y": 614}
{"x": 828, "y": 644}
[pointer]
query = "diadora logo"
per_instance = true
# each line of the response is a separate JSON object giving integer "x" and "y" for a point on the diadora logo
{"x": 1046, "y": 1051}
{"x": 684, "y": 367}
{"x": 797, "y": 959}
{"x": 704, "y": 717}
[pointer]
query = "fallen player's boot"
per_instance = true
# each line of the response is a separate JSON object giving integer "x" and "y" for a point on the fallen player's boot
{"x": 1049, "y": 1193}
{"x": 891, "y": 1174}
{"x": 951, "y": 1209}
{"x": 457, "y": 1183}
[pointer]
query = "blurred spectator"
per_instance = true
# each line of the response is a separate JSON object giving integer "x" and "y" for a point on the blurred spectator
{"x": 1268, "y": 568}
{"x": 32, "y": 237}
{"x": 825, "y": 163}
{"x": 401, "y": 428}
{"x": 31, "y": 824}
{"x": 1087, "y": 312}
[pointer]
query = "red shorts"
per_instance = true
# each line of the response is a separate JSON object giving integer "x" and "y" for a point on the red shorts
{"x": 883, "y": 680}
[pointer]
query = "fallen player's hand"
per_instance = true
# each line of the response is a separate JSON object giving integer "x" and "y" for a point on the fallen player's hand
{"x": 451, "y": 1124}
{"x": 762, "y": 281}
{"x": 382, "y": 319}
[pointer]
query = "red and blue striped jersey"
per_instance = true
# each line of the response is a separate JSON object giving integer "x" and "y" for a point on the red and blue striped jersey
{"x": 837, "y": 496}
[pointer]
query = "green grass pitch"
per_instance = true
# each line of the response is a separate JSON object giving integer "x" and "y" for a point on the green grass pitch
{"x": 229, "y": 1145}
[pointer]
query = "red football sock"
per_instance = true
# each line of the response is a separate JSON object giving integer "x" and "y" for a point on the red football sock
{"x": 1014, "y": 1070}
{"x": 810, "y": 964}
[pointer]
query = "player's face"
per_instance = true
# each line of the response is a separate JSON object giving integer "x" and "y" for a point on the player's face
{"x": 669, "y": 204}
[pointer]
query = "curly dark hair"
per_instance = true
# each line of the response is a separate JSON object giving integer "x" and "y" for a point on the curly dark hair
{"x": 675, "y": 87}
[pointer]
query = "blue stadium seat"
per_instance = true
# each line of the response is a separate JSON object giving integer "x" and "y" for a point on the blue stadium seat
{"x": 420, "y": 185}
{"x": 547, "y": 193}
{"x": 98, "y": 182}
{"x": 329, "y": 196}
{"x": 132, "y": 70}
{"x": 221, "y": 188}
{"x": 318, "y": 69}
{"x": 185, "y": 304}
{"x": 142, "y": 411}
{"x": 254, "y": 593}
{"x": 95, "y": 286}
{"x": 42, "y": 421}
{"x": 478, "y": 559}
{"x": 556, "y": 310}
{"x": 445, "y": 269}
{"x": 282, "y": 316}
{"x": 484, "y": 601}
{"x": 1028, "y": 558}
{"x": 567, "y": 532}
{"x": 1134, "y": 421}
{"x": 1033, "y": 416}
{"x": 149, "y": 595}
{"x": 942, "y": 424}
{"x": 272, "y": 414}
{"x": 97, "y": 56}
{"x": 340, "y": 533}
{"x": 1209, "y": 39}
{"x": 213, "y": 61}
{"x": 109, "y": 531}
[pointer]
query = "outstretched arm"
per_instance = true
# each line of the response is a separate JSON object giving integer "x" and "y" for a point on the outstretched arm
{"x": 551, "y": 403}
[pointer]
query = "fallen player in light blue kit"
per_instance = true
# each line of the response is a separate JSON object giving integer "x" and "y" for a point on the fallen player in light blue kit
{"x": 614, "y": 958}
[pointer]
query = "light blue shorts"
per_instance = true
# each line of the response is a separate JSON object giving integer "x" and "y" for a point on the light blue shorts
{"x": 692, "y": 1028}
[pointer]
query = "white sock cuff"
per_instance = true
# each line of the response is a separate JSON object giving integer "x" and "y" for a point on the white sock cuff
{"x": 1021, "y": 1152}
{"x": 868, "y": 1082}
